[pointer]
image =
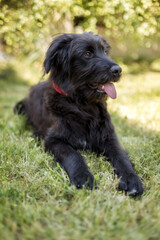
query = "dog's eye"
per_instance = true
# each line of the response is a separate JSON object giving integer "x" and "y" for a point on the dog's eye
{"x": 88, "y": 54}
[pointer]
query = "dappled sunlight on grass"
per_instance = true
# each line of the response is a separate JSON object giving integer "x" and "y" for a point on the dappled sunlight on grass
{"x": 139, "y": 100}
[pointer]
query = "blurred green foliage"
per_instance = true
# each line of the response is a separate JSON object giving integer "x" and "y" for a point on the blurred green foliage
{"x": 24, "y": 24}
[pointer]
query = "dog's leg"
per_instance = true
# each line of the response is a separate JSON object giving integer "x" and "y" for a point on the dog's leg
{"x": 70, "y": 160}
{"x": 129, "y": 181}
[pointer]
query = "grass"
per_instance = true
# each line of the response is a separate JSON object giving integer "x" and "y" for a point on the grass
{"x": 36, "y": 201}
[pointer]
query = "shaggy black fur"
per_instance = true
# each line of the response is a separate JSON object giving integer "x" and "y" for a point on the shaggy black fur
{"x": 79, "y": 64}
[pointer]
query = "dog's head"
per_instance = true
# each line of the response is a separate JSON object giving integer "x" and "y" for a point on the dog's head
{"x": 79, "y": 64}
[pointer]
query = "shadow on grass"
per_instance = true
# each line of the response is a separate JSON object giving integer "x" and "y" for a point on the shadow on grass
{"x": 139, "y": 67}
{"x": 142, "y": 145}
{"x": 9, "y": 75}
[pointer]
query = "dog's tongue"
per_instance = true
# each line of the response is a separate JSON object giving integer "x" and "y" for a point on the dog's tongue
{"x": 109, "y": 88}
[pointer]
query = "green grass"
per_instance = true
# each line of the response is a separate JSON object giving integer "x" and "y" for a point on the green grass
{"x": 36, "y": 200}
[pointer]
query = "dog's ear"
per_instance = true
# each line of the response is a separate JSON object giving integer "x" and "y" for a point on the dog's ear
{"x": 58, "y": 53}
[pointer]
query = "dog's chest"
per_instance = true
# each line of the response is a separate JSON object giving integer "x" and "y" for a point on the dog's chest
{"x": 82, "y": 144}
{"x": 86, "y": 128}
{"x": 93, "y": 129}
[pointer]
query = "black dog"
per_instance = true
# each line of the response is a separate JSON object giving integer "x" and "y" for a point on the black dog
{"x": 69, "y": 110}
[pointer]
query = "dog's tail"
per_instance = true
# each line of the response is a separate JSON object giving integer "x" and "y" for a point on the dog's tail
{"x": 20, "y": 108}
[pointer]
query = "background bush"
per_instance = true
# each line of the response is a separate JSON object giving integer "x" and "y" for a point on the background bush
{"x": 132, "y": 26}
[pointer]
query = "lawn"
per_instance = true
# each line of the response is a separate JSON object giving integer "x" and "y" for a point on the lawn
{"x": 36, "y": 200}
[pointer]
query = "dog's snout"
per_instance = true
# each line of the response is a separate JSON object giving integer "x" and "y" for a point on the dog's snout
{"x": 116, "y": 70}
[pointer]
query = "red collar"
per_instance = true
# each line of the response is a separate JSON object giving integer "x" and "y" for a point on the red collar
{"x": 60, "y": 91}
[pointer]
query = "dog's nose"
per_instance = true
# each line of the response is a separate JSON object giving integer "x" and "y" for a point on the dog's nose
{"x": 116, "y": 70}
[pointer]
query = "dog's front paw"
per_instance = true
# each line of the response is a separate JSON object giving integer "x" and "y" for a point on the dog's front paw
{"x": 81, "y": 179}
{"x": 131, "y": 184}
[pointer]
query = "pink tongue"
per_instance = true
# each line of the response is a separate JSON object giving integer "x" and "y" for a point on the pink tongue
{"x": 109, "y": 88}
